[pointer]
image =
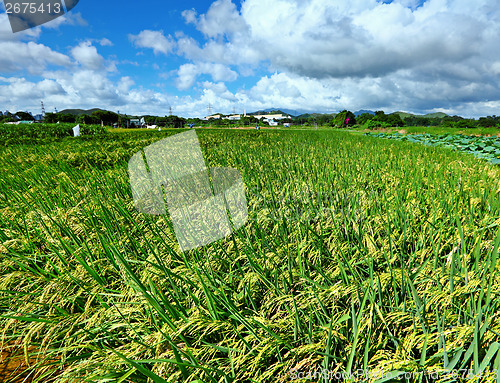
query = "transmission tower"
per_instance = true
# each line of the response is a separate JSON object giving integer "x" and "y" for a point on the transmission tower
{"x": 170, "y": 112}
{"x": 209, "y": 109}
{"x": 43, "y": 109}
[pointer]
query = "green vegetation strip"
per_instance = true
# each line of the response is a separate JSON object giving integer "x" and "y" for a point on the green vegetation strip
{"x": 358, "y": 254}
{"x": 487, "y": 148}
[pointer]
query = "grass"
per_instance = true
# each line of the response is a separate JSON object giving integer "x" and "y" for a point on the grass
{"x": 358, "y": 253}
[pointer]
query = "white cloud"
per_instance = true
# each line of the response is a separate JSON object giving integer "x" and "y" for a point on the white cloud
{"x": 400, "y": 55}
{"x": 30, "y": 56}
{"x": 222, "y": 18}
{"x": 105, "y": 42}
{"x": 186, "y": 76}
{"x": 190, "y": 16}
{"x": 16, "y": 90}
{"x": 316, "y": 55}
{"x": 49, "y": 87}
{"x": 70, "y": 18}
{"x": 80, "y": 88}
{"x": 21, "y": 53}
{"x": 6, "y": 31}
{"x": 220, "y": 90}
{"x": 155, "y": 40}
{"x": 188, "y": 73}
{"x": 125, "y": 84}
{"x": 320, "y": 39}
{"x": 86, "y": 54}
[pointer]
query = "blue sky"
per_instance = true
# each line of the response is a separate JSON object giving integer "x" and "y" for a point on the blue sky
{"x": 304, "y": 55}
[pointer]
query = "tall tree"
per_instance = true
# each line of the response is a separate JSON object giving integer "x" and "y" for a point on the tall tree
{"x": 344, "y": 119}
{"x": 25, "y": 116}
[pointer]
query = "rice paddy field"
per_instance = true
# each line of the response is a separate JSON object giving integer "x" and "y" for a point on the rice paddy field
{"x": 362, "y": 259}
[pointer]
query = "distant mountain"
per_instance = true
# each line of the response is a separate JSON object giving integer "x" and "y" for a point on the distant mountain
{"x": 315, "y": 115}
{"x": 404, "y": 115}
{"x": 289, "y": 112}
{"x": 77, "y": 112}
{"x": 360, "y": 112}
{"x": 436, "y": 115}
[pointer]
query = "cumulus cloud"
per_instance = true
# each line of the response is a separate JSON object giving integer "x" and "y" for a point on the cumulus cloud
{"x": 70, "y": 18}
{"x": 220, "y": 90}
{"x": 22, "y": 88}
{"x": 30, "y": 56}
{"x": 125, "y": 84}
{"x": 105, "y": 42}
{"x": 421, "y": 55}
{"x": 320, "y": 39}
{"x": 190, "y": 16}
{"x": 222, "y": 18}
{"x": 188, "y": 73}
{"x": 86, "y": 54}
{"x": 81, "y": 79}
{"x": 6, "y": 31}
{"x": 21, "y": 52}
{"x": 186, "y": 76}
{"x": 314, "y": 55}
{"x": 81, "y": 88}
{"x": 155, "y": 40}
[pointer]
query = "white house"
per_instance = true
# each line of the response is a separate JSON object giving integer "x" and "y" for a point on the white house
{"x": 138, "y": 122}
{"x": 213, "y": 117}
{"x": 277, "y": 116}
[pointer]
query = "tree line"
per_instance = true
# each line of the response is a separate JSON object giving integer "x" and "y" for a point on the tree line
{"x": 380, "y": 119}
{"x": 110, "y": 119}
{"x": 342, "y": 119}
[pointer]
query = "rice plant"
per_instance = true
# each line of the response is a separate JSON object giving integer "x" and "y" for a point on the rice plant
{"x": 359, "y": 254}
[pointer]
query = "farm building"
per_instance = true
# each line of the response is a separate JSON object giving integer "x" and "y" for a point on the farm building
{"x": 278, "y": 116}
{"x": 213, "y": 117}
{"x": 138, "y": 122}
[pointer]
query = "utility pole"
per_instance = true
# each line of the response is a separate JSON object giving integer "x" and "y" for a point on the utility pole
{"x": 209, "y": 113}
{"x": 234, "y": 117}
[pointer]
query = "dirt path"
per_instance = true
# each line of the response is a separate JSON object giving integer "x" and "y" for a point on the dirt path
{"x": 13, "y": 365}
